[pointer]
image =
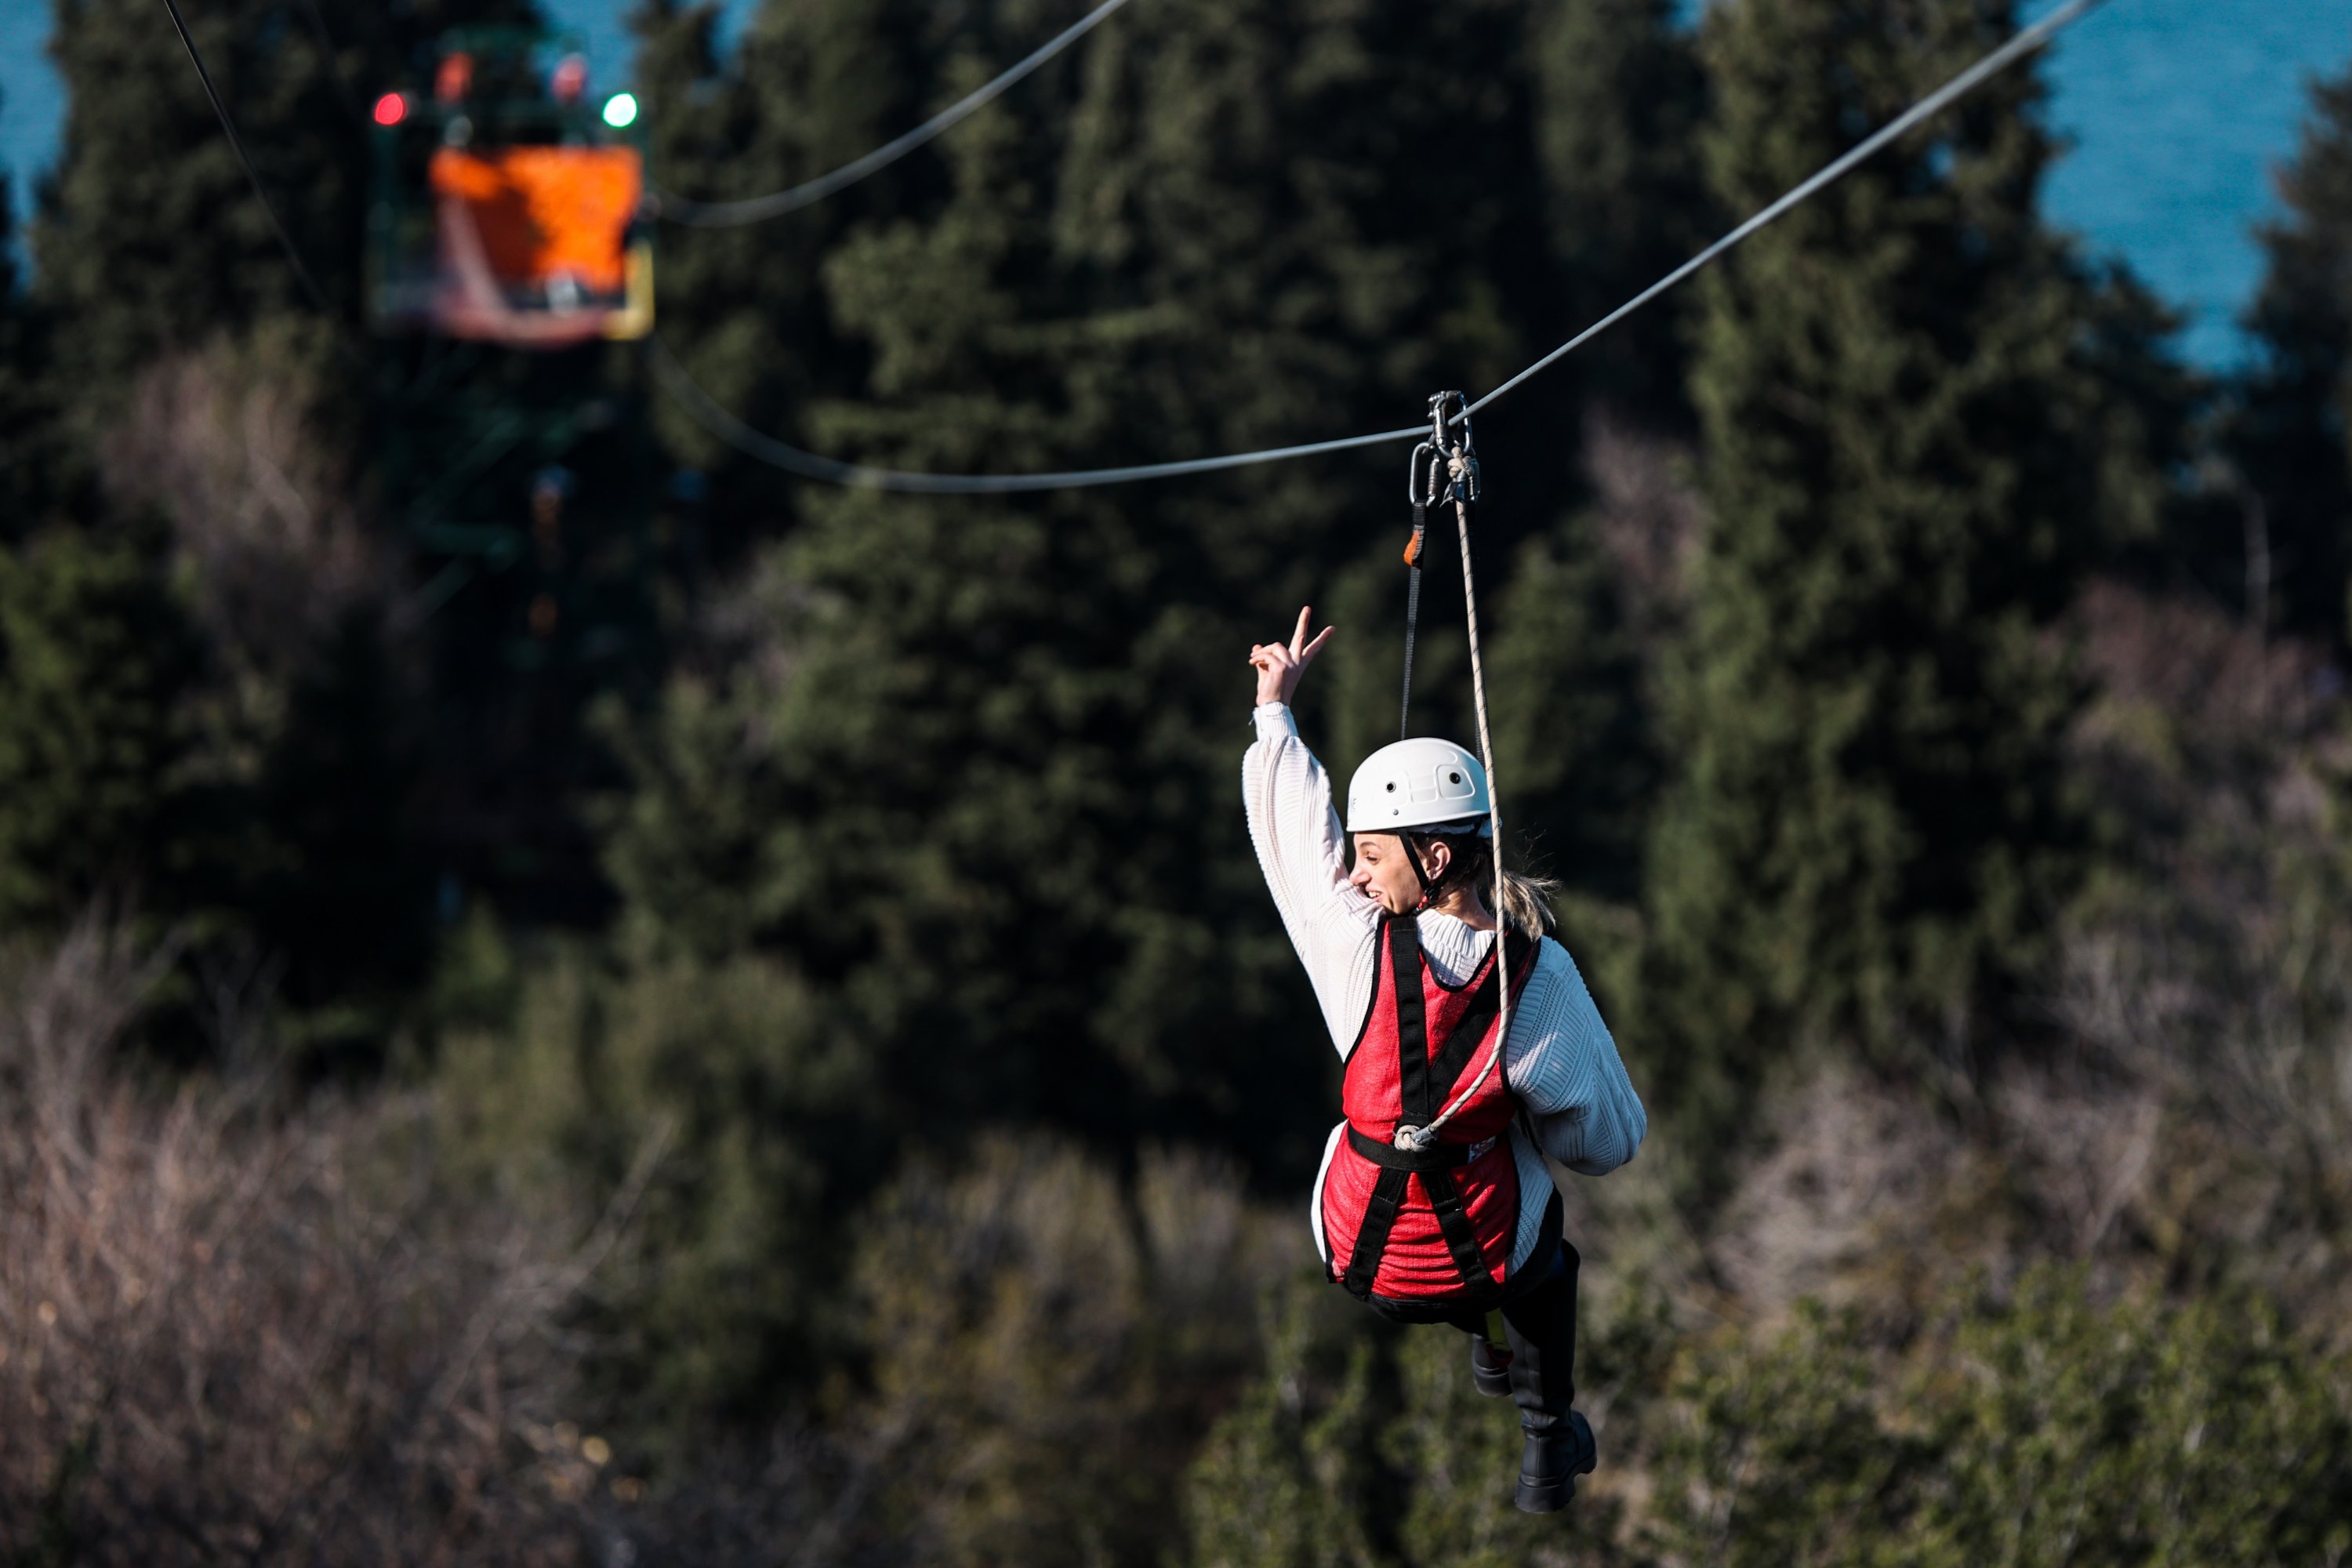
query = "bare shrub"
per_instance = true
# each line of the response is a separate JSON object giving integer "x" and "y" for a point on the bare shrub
{"x": 2245, "y": 1061}
{"x": 226, "y": 444}
{"x": 1847, "y": 1200}
{"x": 2199, "y": 1114}
{"x": 234, "y": 1331}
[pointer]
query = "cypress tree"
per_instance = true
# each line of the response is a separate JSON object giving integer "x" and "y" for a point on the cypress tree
{"x": 92, "y": 668}
{"x": 805, "y": 90}
{"x": 1619, "y": 101}
{"x": 2288, "y": 433}
{"x": 1912, "y": 454}
{"x": 27, "y": 418}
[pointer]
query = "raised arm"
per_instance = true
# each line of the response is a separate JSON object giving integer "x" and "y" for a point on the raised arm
{"x": 1300, "y": 844}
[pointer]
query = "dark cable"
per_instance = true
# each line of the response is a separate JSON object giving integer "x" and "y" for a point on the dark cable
{"x": 756, "y": 209}
{"x": 293, "y": 257}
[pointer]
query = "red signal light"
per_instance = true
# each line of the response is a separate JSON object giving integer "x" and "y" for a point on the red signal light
{"x": 391, "y": 110}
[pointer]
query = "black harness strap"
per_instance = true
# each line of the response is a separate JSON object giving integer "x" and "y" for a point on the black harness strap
{"x": 1420, "y": 1082}
{"x": 1373, "y": 1236}
{"x": 1389, "y": 1157}
{"x": 1461, "y": 1237}
{"x": 1456, "y": 1057}
{"x": 1389, "y": 1191}
{"x": 1416, "y": 1099}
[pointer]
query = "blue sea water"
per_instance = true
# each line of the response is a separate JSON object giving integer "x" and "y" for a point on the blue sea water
{"x": 2178, "y": 111}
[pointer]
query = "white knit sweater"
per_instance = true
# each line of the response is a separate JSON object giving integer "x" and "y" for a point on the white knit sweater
{"x": 1559, "y": 1060}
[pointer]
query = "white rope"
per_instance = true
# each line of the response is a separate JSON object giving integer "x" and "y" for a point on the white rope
{"x": 810, "y": 465}
{"x": 756, "y": 209}
{"x": 1422, "y": 1137}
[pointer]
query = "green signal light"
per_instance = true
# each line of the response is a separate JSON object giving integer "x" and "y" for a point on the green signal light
{"x": 620, "y": 110}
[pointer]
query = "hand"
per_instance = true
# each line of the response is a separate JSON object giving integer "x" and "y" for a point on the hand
{"x": 1279, "y": 665}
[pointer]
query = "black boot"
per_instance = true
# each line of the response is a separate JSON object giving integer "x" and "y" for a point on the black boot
{"x": 1552, "y": 1461}
{"x": 1490, "y": 1368}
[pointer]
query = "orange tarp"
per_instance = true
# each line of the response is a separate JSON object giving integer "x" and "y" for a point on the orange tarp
{"x": 546, "y": 211}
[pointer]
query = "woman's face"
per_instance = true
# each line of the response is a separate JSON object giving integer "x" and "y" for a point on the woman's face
{"x": 1385, "y": 875}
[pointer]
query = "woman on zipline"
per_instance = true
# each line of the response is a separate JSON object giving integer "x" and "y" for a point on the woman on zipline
{"x": 1466, "y": 1229}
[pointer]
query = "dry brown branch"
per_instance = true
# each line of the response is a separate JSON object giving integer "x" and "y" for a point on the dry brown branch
{"x": 232, "y": 1335}
{"x": 225, "y": 444}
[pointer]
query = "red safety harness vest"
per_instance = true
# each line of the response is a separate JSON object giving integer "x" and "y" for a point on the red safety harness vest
{"x": 1432, "y": 1225}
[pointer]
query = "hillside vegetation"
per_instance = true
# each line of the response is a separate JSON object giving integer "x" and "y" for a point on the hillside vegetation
{"x": 747, "y": 1029}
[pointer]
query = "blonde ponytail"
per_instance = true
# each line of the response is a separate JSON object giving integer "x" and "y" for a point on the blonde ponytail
{"x": 1526, "y": 903}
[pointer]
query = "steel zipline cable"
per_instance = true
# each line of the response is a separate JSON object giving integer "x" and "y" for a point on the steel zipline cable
{"x": 2027, "y": 40}
{"x": 236, "y": 144}
{"x": 756, "y": 209}
{"x": 793, "y": 460}
{"x": 857, "y": 475}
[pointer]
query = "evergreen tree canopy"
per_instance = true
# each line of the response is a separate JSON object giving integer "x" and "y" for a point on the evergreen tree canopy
{"x": 1620, "y": 100}
{"x": 1914, "y": 453}
{"x": 2289, "y": 436}
{"x": 806, "y": 89}
{"x": 92, "y": 662}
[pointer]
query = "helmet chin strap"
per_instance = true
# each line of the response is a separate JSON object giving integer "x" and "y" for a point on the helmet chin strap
{"x": 1413, "y": 856}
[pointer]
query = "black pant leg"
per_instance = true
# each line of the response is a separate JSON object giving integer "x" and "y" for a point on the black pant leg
{"x": 1541, "y": 1326}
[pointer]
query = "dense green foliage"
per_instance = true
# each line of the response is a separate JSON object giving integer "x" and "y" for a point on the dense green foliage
{"x": 2048, "y": 1427}
{"x": 1916, "y": 453}
{"x": 2295, "y": 474}
{"x": 91, "y": 747}
{"x": 818, "y": 926}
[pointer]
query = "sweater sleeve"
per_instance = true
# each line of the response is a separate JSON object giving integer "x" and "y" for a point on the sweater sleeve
{"x": 1565, "y": 1067}
{"x": 1303, "y": 852}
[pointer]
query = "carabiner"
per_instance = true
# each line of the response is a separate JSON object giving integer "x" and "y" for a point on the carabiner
{"x": 1416, "y": 491}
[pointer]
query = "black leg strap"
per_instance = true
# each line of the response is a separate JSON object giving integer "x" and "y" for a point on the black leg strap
{"x": 1461, "y": 1237}
{"x": 1373, "y": 1236}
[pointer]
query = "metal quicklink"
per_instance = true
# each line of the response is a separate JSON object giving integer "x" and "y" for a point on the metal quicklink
{"x": 1462, "y": 488}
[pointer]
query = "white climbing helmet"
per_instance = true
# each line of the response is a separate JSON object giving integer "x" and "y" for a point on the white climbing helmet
{"x": 1426, "y": 785}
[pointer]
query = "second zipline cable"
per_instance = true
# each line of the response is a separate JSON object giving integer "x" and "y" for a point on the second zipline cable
{"x": 758, "y": 209}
